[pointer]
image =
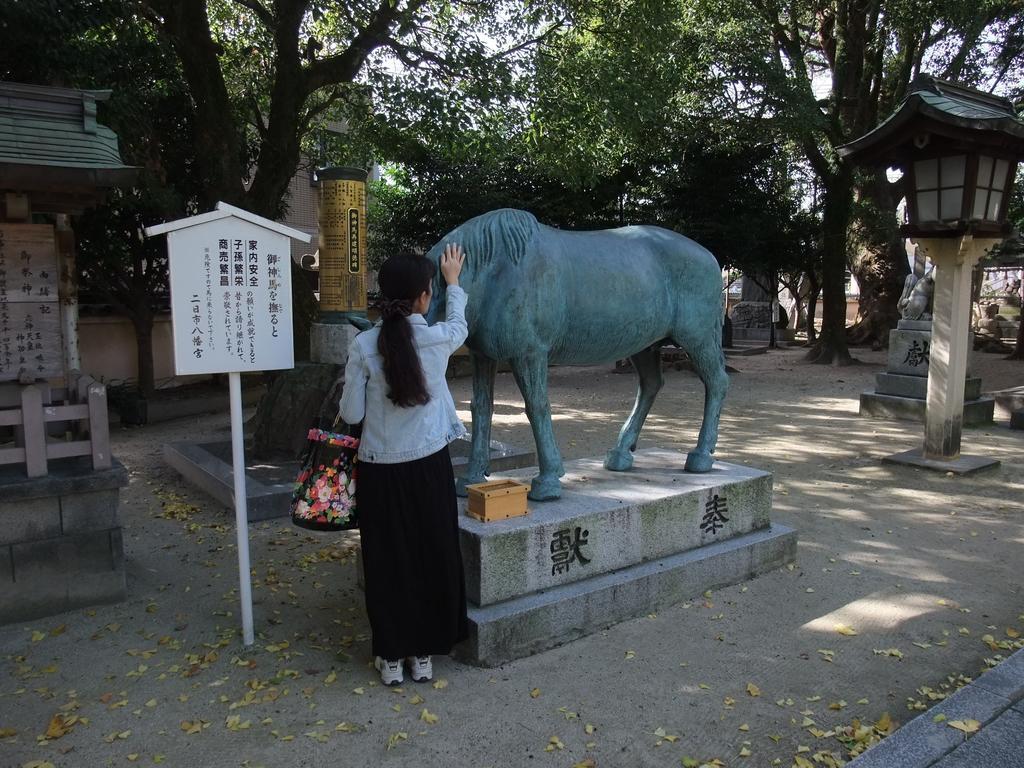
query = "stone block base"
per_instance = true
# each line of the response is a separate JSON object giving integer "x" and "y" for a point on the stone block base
{"x": 762, "y": 334}
{"x": 533, "y": 623}
{"x": 60, "y": 540}
{"x": 976, "y": 412}
{"x": 917, "y": 386}
{"x": 616, "y": 545}
{"x": 1017, "y": 420}
{"x": 329, "y": 342}
{"x": 961, "y": 465}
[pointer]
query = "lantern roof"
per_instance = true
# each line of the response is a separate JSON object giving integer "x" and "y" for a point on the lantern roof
{"x": 961, "y": 116}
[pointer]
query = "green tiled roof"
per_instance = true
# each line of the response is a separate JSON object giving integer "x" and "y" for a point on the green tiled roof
{"x": 55, "y": 127}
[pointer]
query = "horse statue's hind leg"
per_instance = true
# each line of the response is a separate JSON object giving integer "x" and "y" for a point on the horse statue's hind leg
{"x": 709, "y": 363}
{"x": 531, "y": 375}
{"x": 482, "y": 409}
{"x": 647, "y": 364}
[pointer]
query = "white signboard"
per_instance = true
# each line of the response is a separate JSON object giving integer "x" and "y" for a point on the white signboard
{"x": 230, "y": 297}
{"x": 231, "y": 311}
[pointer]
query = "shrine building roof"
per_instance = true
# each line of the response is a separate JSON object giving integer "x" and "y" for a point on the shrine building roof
{"x": 50, "y": 141}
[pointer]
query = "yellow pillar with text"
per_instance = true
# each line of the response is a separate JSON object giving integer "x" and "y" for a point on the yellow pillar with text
{"x": 342, "y": 219}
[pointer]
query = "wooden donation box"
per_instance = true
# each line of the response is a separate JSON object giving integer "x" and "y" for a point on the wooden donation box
{"x": 497, "y": 500}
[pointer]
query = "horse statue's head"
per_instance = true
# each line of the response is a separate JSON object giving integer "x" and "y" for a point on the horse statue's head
{"x": 498, "y": 236}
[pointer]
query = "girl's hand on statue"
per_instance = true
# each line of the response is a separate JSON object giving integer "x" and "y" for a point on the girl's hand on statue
{"x": 451, "y": 263}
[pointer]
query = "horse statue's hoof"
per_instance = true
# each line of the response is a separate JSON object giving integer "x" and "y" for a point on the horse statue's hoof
{"x": 545, "y": 489}
{"x": 699, "y": 462}
{"x": 461, "y": 483}
{"x": 618, "y": 460}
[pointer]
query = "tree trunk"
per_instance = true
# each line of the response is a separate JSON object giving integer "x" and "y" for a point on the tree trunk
{"x": 838, "y": 199}
{"x": 880, "y": 272}
{"x": 880, "y": 265}
{"x": 144, "y": 347}
{"x": 812, "y": 311}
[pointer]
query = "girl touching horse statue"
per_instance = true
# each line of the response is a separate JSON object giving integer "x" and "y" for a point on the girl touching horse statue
{"x": 539, "y": 295}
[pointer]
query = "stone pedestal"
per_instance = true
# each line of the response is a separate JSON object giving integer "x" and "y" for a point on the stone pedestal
{"x": 901, "y": 392}
{"x": 60, "y": 539}
{"x": 329, "y": 342}
{"x": 616, "y": 545}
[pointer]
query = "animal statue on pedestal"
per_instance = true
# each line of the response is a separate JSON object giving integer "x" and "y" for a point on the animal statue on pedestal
{"x": 918, "y": 293}
{"x": 539, "y": 295}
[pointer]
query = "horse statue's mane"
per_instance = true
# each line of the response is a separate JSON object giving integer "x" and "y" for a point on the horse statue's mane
{"x": 506, "y": 232}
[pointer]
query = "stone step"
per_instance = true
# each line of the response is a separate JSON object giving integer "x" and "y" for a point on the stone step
{"x": 917, "y": 386}
{"x": 977, "y": 413}
{"x": 534, "y": 623}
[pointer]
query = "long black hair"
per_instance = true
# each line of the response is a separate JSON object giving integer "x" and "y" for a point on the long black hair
{"x": 402, "y": 278}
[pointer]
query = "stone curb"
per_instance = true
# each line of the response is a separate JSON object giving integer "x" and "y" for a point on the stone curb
{"x": 923, "y": 742}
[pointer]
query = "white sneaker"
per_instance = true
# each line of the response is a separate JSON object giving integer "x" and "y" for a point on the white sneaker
{"x": 420, "y": 668}
{"x": 390, "y": 671}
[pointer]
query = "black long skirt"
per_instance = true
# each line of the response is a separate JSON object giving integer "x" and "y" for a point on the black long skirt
{"x": 412, "y": 564}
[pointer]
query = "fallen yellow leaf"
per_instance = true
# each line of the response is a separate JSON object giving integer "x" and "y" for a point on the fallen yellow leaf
{"x": 967, "y": 726}
{"x": 192, "y": 726}
{"x": 417, "y": 699}
{"x": 554, "y": 743}
{"x": 394, "y": 738}
{"x": 884, "y": 724}
{"x": 428, "y": 717}
{"x": 439, "y": 684}
{"x": 842, "y": 629}
{"x": 535, "y": 693}
{"x": 753, "y": 690}
{"x": 57, "y": 727}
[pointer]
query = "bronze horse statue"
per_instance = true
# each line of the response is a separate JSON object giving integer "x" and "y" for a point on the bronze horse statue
{"x": 539, "y": 295}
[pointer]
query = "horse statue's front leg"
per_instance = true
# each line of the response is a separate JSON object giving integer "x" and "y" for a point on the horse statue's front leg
{"x": 482, "y": 409}
{"x": 531, "y": 375}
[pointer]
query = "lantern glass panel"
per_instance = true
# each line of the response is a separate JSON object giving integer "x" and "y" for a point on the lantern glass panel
{"x": 984, "y": 171}
{"x": 994, "y": 199}
{"x": 999, "y": 180}
{"x": 926, "y": 174}
{"x": 980, "y": 203}
{"x": 953, "y": 171}
{"x": 928, "y": 206}
{"x": 951, "y": 201}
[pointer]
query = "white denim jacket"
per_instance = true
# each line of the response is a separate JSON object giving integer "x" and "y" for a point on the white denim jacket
{"x": 392, "y": 434}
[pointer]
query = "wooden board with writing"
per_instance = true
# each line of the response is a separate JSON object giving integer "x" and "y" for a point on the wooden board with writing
{"x": 31, "y": 344}
{"x": 28, "y": 263}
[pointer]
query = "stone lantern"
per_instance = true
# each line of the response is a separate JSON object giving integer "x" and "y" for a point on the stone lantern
{"x": 958, "y": 149}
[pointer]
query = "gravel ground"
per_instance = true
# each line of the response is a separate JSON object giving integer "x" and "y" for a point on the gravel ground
{"x": 905, "y": 580}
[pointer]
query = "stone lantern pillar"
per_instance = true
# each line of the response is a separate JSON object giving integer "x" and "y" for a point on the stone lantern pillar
{"x": 958, "y": 150}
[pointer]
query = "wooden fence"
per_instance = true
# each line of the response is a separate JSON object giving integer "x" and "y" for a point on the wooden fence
{"x": 36, "y": 412}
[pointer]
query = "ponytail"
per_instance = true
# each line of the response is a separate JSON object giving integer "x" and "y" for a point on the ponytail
{"x": 403, "y": 279}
